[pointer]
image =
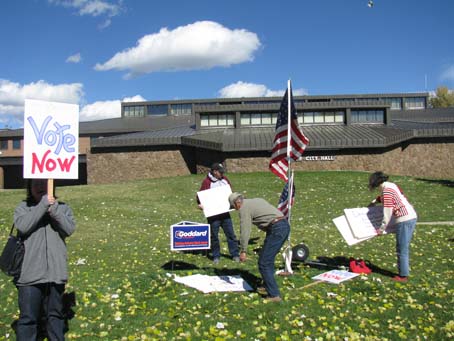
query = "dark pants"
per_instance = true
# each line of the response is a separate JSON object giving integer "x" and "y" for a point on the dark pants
{"x": 224, "y": 221}
{"x": 276, "y": 236}
{"x": 35, "y": 302}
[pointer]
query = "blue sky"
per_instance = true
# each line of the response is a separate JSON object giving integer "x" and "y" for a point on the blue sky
{"x": 97, "y": 53}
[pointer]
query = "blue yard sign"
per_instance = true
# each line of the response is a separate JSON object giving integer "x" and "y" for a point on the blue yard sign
{"x": 187, "y": 235}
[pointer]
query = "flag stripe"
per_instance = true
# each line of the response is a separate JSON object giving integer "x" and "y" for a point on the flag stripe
{"x": 298, "y": 141}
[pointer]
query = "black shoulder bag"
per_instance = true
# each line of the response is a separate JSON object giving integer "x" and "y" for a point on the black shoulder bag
{"x": 12, "y": 255}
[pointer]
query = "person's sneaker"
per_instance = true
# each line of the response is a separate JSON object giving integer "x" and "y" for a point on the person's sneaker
{"x": 262, "y": 291}
{"x": 400, "y": 279}
{"x": 236, "y": 259}
{"x": 273, "y": 299}
{"x": 216, "y": 260}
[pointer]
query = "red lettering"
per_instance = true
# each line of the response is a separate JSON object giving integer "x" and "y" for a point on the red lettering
{"x": 50, "y": 164}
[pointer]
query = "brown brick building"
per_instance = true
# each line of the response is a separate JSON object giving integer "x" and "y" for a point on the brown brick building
{"x": 396, "y": 133}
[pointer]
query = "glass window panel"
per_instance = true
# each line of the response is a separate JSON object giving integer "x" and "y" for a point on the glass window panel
{"x": 213, "y": 120}
{"x": 266, "y": 118}
{"x": 256, "y": 119}
{"x": 230, "y": 120}
{"x": 274, "y": 118}
{"x": 339, "y": 118}
{"x": 318, "y": 117}
{"x": 222, "y": 119}
{"x": 204, "y": 121}
{"x": 157, "y": 109}
{"x": 308, "y": 117}
{"x": 16, "y": 144}
{"x": 245, "y": 119}
{"x": 4, "y": 144}
{"x": 329, "y": 117}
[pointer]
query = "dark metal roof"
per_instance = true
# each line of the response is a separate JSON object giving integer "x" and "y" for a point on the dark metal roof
{"x": 170, "y": 136}
{"x": 133, "y": 124}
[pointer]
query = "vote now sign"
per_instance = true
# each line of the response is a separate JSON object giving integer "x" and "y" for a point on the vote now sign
{"x": 51, "y": 140}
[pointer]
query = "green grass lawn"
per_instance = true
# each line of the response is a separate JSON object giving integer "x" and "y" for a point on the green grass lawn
{"x": 120, "y": 252}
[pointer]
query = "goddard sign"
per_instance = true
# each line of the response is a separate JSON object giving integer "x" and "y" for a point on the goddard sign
{"x": 187, "y": 235}
{"x": 51, "y": 140}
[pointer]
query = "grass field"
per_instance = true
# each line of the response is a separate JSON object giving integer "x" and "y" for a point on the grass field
{"x": 119, "y": 260}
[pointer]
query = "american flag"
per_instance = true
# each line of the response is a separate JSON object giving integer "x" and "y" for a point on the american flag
{"x": 283, "y": 204}
{"x": 279, "y": 162}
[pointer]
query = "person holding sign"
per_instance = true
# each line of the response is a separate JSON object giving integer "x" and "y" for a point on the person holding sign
{"x": 396, "y": 205}
{"x": 269, "y": 219}
{"x": 216, "y": 178}
{"x": 44, "y": 223}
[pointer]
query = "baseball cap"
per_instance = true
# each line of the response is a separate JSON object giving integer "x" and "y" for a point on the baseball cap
{"x": 219, "y": 167}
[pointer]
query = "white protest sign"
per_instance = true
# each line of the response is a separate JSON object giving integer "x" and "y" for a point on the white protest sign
{"x": 346, "y": 232}
{"x": 208, "y": 284}
{"x": 215, "y": 200}
{"x": 364, "y": 221}
{"x": 51, "y": 140}
{"x": 335, "y": 276}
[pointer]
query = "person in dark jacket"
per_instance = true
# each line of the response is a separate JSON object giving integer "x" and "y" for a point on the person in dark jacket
{"x": 44, "y": 223}
{"x": 216, "y": 178}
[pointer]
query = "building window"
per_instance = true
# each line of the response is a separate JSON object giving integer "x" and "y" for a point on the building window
{"x": 415, "y": 103}
{"x": 181, "y": 109}
{"x": 157, "y": 109}
{"x": 368, "y": 116}
{"x": 134, "y": 111}
{"x": 258, "y": 119}
{"x": 16, "y": 144}
{"x": 4, "y": 145}
{"x": 321, "y": 117}
{"x": 396, "y": 103}
{"x": 217, "y": 120}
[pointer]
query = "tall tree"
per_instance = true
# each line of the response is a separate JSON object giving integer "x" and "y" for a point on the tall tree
{"x": 444, "y": 98}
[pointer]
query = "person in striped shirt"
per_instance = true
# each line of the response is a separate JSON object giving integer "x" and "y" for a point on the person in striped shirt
{"x": 395, "y": 205}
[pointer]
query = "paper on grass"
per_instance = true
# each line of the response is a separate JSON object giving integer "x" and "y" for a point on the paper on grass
{"x": 335, "y": 276}
{"x": 215, "y": 200}
{"x": 346, "y": 232}
{"x": 208, "y": 284}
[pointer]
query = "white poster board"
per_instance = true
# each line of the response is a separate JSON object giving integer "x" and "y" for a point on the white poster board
{"x": 208, "y": 284}
{"x": 346, "y": 232}
{"x": 335, "y": 276}
{"x": 365, "y": 221}
{"x": 215, "y": 200}
{"x": 51, "y": 140}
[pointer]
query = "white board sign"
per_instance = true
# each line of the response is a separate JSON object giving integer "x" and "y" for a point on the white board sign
{"x": 335, "y": 276}
{"x": 51, "y": 140}
{"x": 364, "y": 221}
{"x": 346, "y": 232}
{"x": 215, "y": 200}
{"x": 208, "y": 284}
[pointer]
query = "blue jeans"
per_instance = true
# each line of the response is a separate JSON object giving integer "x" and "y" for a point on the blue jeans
{"x": 35, "y": 302}
{"x": 404, "y": 233}
{"x": 224, "y": 221}
{"x": 276, "y": 236}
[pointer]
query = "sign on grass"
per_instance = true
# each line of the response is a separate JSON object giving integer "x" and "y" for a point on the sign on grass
{"x": 51, "y": 140}
{"x": 187, "y": 235}
{"x": 335, "y": 276}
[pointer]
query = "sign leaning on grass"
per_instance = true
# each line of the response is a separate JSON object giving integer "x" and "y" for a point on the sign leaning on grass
{"x": 51, "y": 140}
{"x": 187, "y": 235}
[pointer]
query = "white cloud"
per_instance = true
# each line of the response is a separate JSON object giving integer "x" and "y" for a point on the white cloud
{"x": 105, "y": 109}
{"x": 448, "y": 74}
{"x": 75, "y": 58}
{"x": 242, "y": 89}
{"x": 12, "y": 95}
{"x": 93, "y": 8}
{"x": 201, "y": 45}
